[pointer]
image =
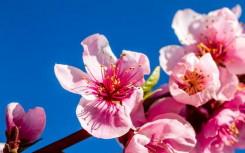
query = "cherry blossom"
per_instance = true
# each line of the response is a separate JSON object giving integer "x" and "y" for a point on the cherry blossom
{"x": 194, "y": 81}
{"x": 110, "y": 88}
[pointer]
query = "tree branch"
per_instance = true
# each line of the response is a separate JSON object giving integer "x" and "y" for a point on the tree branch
{"x": 64, "y": 143}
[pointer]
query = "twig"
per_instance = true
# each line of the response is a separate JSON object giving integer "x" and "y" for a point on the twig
{"x": 64, "y": 143}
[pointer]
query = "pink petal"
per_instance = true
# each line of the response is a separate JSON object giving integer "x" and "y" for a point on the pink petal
{"x": 14, "y": 115}
{"x": 93, "y": 55}
{"x": 225, "y": 13}
{"x": 130, "y": 61}
{"x": 137, "y": 115}
{"x": 228, "y": 87}
{"x": 137, "y": 144}
{"x": 1, "y": 147}
{"x": 73, "y": 80}
{"x": 241, "y": 138}
{"x": 225, "y": 29}
{"x": 170, "y": 128}
{"x": 103, "y": 119}
{"x": 237, "y": 10}
{"x": 164, "y": 105}
{"x": 236, "y": 57}
{"x": 173, "y": 130}
{"x": 141, "y": 59}
{"x": 33, "y": 125}
{"x": 169, "y": 57}
{"x": 181, "y": 22}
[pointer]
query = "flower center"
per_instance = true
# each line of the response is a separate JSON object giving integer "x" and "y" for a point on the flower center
{"x": 195, "y": 82}
{"x": 116, "y": 81}
{"x": 230, "y": 134}
{"x": 217, "y": 51}
{"x": 158, "y": 146}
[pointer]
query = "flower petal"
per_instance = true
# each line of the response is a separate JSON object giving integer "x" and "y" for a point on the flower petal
{"x": 97, "y": 52}
{"x": 228, "y": 87}
{"x": 141, "y": 59}
{"x": 1, "y": 147}
{"x": 14, "y": 115}
{"x": 172, "y": 130}
{"x": 225, "y": 13}
{"x": 137, "y": 144}
{"x": 181, "y": 22}
{"x": 237, "y": 10}
{"x": 164, "y": 105}
{"x": 169, "y": 57}
{"x": 241, "y": 138}
{"x": 33, "y": 125}
{"x": 73, "y": 80}
{"x": 102, "y": 119}
{"x": 237, "y": 58}
{"x": 137, "y": 115}
{"x": 134, "y": 67}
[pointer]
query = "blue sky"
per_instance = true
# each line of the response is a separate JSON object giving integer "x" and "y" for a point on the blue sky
{"x": 34, "y": 35}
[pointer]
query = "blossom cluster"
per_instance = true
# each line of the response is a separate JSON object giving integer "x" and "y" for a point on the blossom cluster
{"x": 200, "y": 110}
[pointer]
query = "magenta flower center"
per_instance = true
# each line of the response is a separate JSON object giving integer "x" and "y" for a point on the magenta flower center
{"x": 158, "y": 146}
{"x": 217, "y": 49}
{"x": 116, "y": 81}
{"x": 194, "y": 82}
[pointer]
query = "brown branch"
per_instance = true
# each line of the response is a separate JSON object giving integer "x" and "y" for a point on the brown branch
{"x": 64, "y": 143}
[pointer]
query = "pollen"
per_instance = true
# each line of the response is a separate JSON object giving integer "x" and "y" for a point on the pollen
{"x": 214, "y": 47}
{"x": 116, "y": 83}
{"x": 195, "y": 82}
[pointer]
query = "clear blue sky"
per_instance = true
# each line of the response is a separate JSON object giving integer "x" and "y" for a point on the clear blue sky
{"x": 34, "y": 35}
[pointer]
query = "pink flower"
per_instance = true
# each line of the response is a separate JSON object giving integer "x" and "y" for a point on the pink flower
{"x": 23, "y": 128}
{"x": 110, "y": 87}
{"x": 218, "y": 33}
{"x": 166, "y": 133}
{"x": 225, "y": 131}
{"x": 194, "y": 81}
{"x": 30, "y": 125}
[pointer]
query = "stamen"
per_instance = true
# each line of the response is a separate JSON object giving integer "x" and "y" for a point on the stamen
{"x": 195, "y": 82}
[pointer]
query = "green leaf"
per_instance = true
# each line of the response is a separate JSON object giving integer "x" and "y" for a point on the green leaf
{"x": 152, "y": 80}
{"x": 151, "y": 93}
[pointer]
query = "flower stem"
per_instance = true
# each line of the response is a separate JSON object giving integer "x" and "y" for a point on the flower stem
{"x": 58, "y": 146}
